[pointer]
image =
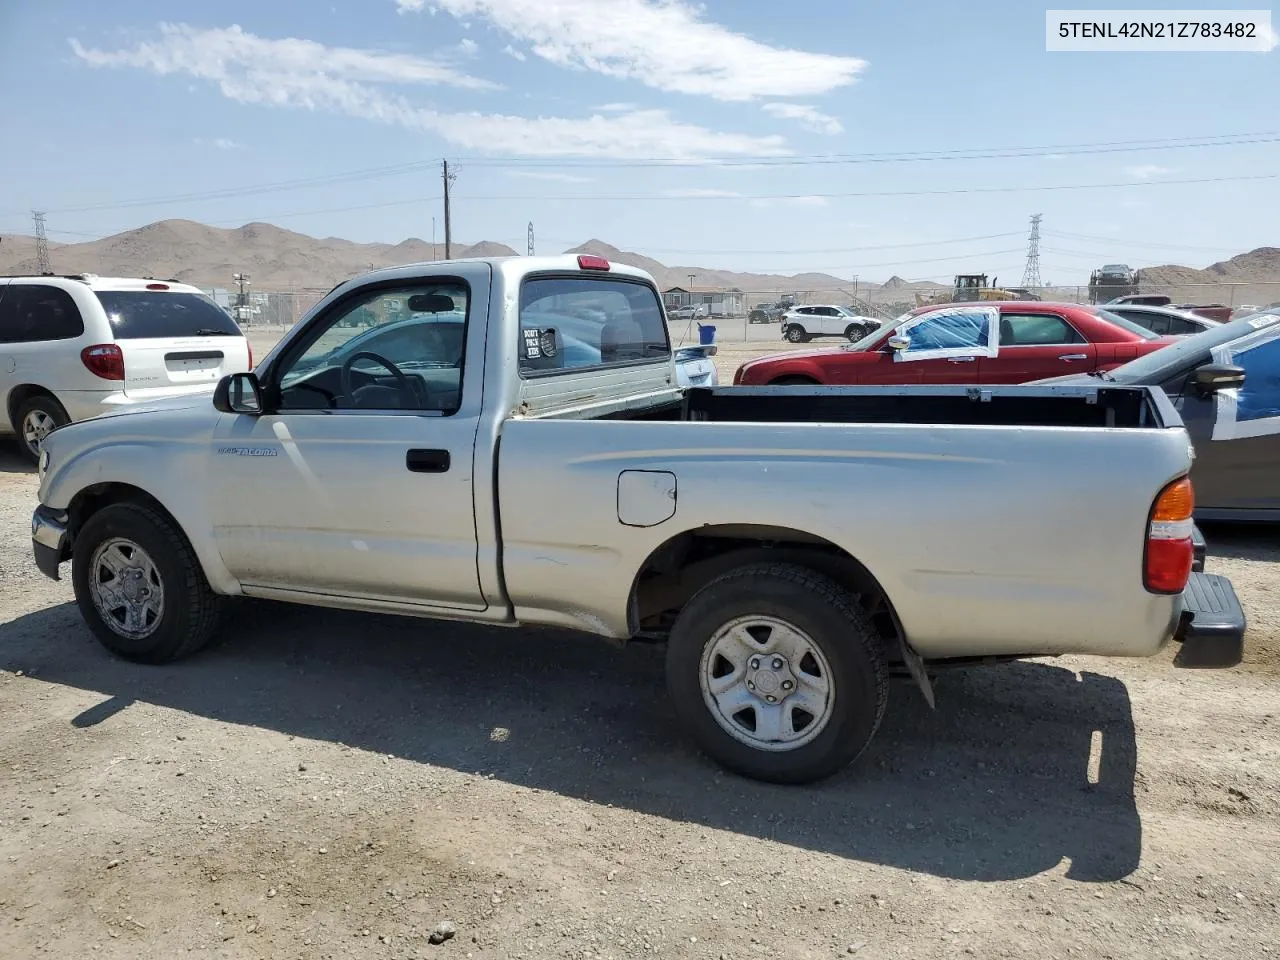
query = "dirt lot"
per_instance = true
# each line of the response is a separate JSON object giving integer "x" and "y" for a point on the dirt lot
{"x": 322, "y": 785}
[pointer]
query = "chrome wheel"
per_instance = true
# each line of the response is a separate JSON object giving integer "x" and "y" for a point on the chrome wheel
{"x": 36, "y": 425}
{"x": 795, "y": 335}
{"x": 126, "y": 588}
{"x": 767, "y": 683}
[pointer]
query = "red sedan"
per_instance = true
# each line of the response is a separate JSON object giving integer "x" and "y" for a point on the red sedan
{"x": 1009, "y": 341}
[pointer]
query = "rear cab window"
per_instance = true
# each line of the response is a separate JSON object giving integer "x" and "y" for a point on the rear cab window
{"x": 575, "y": 322}
{"x": 154, "y": 314}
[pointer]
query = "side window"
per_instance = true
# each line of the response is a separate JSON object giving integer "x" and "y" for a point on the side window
{"x": 573, "y": 322}
{"x": 395, "y": 348}
{"x": 34, "y": 312}
{"x": 946, "y": 331}
{"x": 1035, "y": 330}
{"x": 1155, "y": 322}
{"x": 1179, "y": 325}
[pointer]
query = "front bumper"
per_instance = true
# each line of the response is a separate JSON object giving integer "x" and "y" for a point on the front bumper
{"x": 1212, "y": 627}
{"x": 49, "y": 540}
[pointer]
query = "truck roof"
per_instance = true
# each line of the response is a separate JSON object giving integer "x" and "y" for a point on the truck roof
{"x": 513, "y": 267}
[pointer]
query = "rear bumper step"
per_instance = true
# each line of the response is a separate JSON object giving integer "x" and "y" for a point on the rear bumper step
{"x": 1213, "y": 624}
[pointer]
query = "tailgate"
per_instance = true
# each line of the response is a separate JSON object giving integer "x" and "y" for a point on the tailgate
{"x": 172, "y": 340}
{"x": 184, "y": 362}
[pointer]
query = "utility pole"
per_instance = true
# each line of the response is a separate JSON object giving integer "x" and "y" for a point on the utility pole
{"x": 42, "y": 244}
{"x": 531, "y": 238}
{"x": 433, "y": 238}
{"x": 241, "y": 309}
{"x": 448, "y": 226}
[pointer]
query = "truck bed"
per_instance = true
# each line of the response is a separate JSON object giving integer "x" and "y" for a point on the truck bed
{"x": 1021, "y": 405}
{"x": 1008, "y": 520}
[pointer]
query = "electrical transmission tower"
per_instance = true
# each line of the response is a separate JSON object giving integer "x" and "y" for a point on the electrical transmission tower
{"x": 1031, "y": 273}
{"x": 42, "y": 244}
{"x": 531, "y": 238}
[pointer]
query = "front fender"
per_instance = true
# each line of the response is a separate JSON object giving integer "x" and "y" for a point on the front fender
{"x": 173, "y": 473}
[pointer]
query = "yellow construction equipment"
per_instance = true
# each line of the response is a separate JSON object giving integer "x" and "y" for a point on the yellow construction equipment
{"x": 968, "y": 288}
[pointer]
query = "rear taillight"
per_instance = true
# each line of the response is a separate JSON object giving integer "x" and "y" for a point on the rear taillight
{"x": 104, "y": 360}
{"x": 1167, "y": 565}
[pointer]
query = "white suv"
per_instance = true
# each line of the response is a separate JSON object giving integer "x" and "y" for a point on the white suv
{"x": 77, "y": 346}
{"x": 802, "y": 324}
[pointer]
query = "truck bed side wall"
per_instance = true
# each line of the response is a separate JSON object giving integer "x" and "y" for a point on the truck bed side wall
{"x": 1009, "y": 540}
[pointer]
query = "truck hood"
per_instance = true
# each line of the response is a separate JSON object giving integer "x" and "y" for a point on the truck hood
{"x": 187, "y": 401}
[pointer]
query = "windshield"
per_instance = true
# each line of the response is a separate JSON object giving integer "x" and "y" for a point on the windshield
{"x": 137, "y": 315}
{"x": 1163, "y": 363}
{"x": 1129, "y": 325}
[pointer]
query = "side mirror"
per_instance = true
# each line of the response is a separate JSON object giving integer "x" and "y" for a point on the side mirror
{"x": 1213, "y": 377}
{"x": 238, "y": 393}
{"x": 898, "y": 342}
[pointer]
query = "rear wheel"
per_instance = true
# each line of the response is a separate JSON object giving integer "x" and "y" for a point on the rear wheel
{"x": 797, "y": 334}
{"x": 36, "y": 419}
{"x": 139, "y": 585}
{"x": 777, "y": 673}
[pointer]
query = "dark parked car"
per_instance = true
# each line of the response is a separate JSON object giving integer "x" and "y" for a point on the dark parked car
{"x": 1163, "y": 320}
{"x": 1225, "y": 382}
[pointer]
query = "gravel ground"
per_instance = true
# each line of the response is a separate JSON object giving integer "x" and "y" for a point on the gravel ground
{"x": 324, "y": 784}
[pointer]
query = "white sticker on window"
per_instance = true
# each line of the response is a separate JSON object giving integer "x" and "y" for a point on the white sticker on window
{"x": 1262, "y": 320}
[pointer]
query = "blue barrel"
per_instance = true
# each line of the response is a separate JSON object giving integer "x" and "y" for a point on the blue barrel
{"x": 706, "y": 334}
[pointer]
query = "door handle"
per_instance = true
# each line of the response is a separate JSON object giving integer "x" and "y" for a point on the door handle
{"x": 962, "y": 359}
{"x": 427, "y": 461}
{"x": 1074, "y": 356}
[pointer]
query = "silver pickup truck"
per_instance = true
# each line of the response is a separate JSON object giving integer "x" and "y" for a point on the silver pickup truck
{"x": 503, "y": 441}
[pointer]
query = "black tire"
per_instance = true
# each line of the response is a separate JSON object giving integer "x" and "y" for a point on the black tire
{"x": 835, "y": 623}
{"x": 793, "y": 381}
{"x": 39, "y": 404}
{"x": 797, "y": 334}
{"x": 854, "y": 333}
{"x": 189, "y": 615}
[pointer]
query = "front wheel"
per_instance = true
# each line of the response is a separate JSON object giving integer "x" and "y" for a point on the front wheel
{"x": 855, "y": 333}
{"x": 777, "y": 673}
{"x": 797, "y": 334}
{"x": 139, "y": 585}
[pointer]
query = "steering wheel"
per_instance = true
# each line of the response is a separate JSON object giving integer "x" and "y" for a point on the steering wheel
{"x": 404, "y": 384}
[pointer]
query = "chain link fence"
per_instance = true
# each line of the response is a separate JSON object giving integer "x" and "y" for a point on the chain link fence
{"x": 267, "y": 315}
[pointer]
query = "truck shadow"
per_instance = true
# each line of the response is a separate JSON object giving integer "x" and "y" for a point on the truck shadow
{"x": 11, "y": 461}
{"x": 993, "y": 785}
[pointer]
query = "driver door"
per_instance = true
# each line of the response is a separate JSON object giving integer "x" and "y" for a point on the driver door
{"x": 946, "y": 347}
{"x": 357, "y": 481}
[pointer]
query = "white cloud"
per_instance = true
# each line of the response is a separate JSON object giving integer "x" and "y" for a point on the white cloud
{"x": 222, "y": 143}
{"x": 809, "y": 117}
{"x": 238, "y": 60}
{"x": 302, "y": 74}
{"x": 1145, "y": 171}
{"x": 547, "y": 175}
{"x": 1054, "y": 156}
{"x": 616, "y": 107}
{"x": 511, "y": 51}
{"x": 665, "y": 44}
{"x": 468, "y": 46}
{"x": 701, "y": 192}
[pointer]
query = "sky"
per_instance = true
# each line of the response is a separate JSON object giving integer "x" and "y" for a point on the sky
{"x": 850, "y": 137}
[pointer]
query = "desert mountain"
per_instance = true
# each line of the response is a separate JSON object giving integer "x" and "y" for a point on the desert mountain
{"x": 281, "y": 260}
{"x": 275, "y": 258}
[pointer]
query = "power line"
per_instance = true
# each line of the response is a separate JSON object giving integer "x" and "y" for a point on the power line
{"x": 977, "y": 153}
{"x": 1127, "y": 184}
{"x": 1211, "y": 140}
{"x": 1111, "y": 241}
